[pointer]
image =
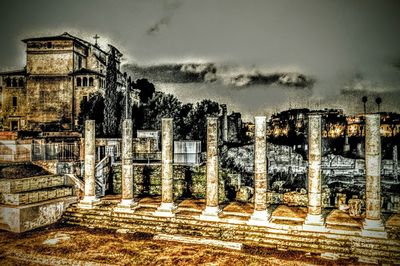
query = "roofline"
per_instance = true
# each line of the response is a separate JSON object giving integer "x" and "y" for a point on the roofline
{"x": 21, "y": 72}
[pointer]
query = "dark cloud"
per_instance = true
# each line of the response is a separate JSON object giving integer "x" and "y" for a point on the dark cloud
{"x": 210, "y": 72}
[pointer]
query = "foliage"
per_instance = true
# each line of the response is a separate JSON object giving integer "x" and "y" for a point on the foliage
{"x": 111, "y": 109}
{"x": 146, "y": 89}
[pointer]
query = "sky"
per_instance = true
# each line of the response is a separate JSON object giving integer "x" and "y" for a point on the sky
{"x": 349, "y": 47}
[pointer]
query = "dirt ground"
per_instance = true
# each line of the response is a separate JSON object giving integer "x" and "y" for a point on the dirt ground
{"x": 83, "y": 246}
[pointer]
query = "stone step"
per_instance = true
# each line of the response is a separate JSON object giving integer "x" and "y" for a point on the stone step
{"x": 10, "y": 186}
{"x": 241, "y": 233}
{"x": 29, "y": 197}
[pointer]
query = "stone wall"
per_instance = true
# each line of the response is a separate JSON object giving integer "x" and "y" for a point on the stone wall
{"x": 188, "y": 181}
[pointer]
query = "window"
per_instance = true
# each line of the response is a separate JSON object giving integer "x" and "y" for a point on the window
{"x": 79, "y": 62}
{"x": 8, "y": 82}
{"x": 90, "y": 81}
{"x": 14, "y": 125}
{"x": 14, "y": 82}
{"x": 84, "y": 81}
{"x": 20, "y": 82}
{"x": 78, "y": 82}
{"x": 84, "y": 99}
{"x": 14, "y": 102}
{"x": 49, "y": 45}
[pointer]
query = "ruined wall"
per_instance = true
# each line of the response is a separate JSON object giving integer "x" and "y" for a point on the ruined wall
{"x": 188, "y": 181}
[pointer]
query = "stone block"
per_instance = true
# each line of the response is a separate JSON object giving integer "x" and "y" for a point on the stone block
{"x": 24, "y": 218}
{"x": 33, "y": 197}
{"x": 355, "y": 207}
{"x": 244, "y": 194}
{"x": 52, "y": 193}
{"x": 42, "y": 195}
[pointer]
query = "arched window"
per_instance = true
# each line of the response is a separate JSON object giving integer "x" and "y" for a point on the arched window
{"x": 14, "y": 82}
{"x": 90, "y": 81}
{"x": 78, "y": 82}
{"x": 20, "y": 82}
{"x": 84, "y": 81}
{"x": 8, "y": 82}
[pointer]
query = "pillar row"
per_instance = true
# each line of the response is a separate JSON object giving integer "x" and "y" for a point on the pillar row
{"x": 260, "y": 215}
{"x": 373, "y": 225}
{"x": 89, "y": 198}
{"x": 314, "y": 220}
{"x": 212, "y": 208}
{"x": 167, "y": 201}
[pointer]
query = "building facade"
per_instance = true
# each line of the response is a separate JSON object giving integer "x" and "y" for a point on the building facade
{"x": 60, "y": 72}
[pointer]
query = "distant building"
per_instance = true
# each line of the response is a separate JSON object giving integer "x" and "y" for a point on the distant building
{"x": 60, "y": 72}
{"x": 390, "y": 125}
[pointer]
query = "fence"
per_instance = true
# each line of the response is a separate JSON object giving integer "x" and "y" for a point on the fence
{"x": 55, "y": 151}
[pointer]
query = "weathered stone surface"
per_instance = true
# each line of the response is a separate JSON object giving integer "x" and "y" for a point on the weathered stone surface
{"x": 31, "y": 216}
{"x": 260, "y": 164}
{"x": 212, "y": 162}
{"x": 373, "y": 167}
{"x": 244, "y": 194}
{"x": 355, "y": 207}
{"x": 314, "y": 164}
{"x": 127, "y": 167}
{"x": 294, "y": 198}
{"x": 166, "y": 160}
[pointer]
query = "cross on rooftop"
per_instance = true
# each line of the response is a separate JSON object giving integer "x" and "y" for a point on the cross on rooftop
{"x": 95, "y": 37}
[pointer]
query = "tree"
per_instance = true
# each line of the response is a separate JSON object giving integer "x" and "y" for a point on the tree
{"x": 146, "y": 88}
{"x": 160, "y": 106}
{"x": 364, "y": 99}
{"x": 92, "y": 109}
{"x": 378, "y": 101}
{"x": 197, "y": 120}
{"x": 111, "y": 119}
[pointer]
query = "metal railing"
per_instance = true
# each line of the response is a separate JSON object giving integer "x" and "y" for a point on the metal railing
{"x": 55, "y": 151}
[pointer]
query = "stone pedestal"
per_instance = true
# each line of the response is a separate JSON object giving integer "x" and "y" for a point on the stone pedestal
{"x": 260, "y": 215}
{"x": 167, "y": 202}
{"x": 314, "y": 220}
{"x": 127, "y": 201}
{"x": 89, "y": 199}
{"x": 212, "y": 208}
{"x": 373, "y": 225}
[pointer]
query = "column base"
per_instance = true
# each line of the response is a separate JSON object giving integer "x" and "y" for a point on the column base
{"x": 210, "y": 214}
{"x": 88, "y": 202}
{"x": 314, "y": 223}
{"x": 126, "y": 206}
{"x": 165, "y": 210}
{"x": 373, "y": 228}
{"x": 259, "y": 218}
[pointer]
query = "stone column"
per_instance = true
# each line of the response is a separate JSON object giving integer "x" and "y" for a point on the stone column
{"x": 395, "y": 164}
{"x": 89, "y": 198}
{"x": 260, "y": 215}
{"x": 127, "y": 200}
{"x": 212, "y": 209}
{"x": 167, "y": 142}
{"x": 314, "y": 220}
{"x": 373, "y": 225}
